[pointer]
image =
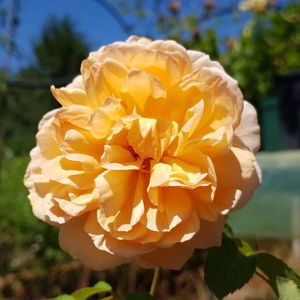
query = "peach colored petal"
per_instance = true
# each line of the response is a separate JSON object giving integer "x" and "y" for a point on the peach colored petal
{"x": 243, "y": 179}
{"x": 102, "y": 80}
{"x": 177, "y": 207}
{"x": 46, "y": 210}
{"x": 77, "y": 83}
{"x": 67, "y": 96}
{"x": 114, "y": 188}
{"x": 135, "y": 209}
{"x": 247, "y": 134}
{"x": 185, "y": 231}
{"x": 175, "y": 172}
{"x": 138, "y": 39}
{"x": 249, "y": 186}
{"x": 118, "y": 51}
{"x": 210, "y": 234}
{"x": 174, "y": 50}
{"x": 159, "y": 64}
{"x": 74, "y": 240}
{"x": 149, "y": 138}
{"x": 116, "y": 157}
{"x": 78, "y": 142}
{"x": 143, "y": 92}
{"x": 48, "y": 116}
{"x": 200, "y": 60}
{"x": 95, "y": 83}
{"x": 106, "y": 242}
{"x": 47, "y": 137}
{"x": 226, "y": 91}
{"x": 169, "y": 258}
{"x": 102, "y": 120}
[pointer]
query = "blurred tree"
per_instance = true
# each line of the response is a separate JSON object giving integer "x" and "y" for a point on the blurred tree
{"x": 9, "y": 21}
{"x": 284, "y": 39}
{"x": 268, "y": 47}
{"x": 206, "y": 42}
{"x": 58, "y": 55}
{"x": 60, "y": 50}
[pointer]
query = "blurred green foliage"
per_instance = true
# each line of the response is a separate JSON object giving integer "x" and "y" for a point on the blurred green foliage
{"x": 268, "y": 47}
{"x": 59, "y": 40}
{"x": 58, "y": 55}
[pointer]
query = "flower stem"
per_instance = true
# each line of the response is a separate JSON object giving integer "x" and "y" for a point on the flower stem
{"x": 154, "y": 281}
{"x": 262, "y": 277}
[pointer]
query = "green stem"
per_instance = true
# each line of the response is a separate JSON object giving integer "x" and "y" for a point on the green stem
{"x": 154, "y": 281}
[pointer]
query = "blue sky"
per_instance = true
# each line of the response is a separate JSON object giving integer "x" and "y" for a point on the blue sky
{"x": 93, "y": 21}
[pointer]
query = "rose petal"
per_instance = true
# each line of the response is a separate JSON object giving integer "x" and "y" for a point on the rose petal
{"x": 247, "y": 134}
{"x": 74, "y": 240}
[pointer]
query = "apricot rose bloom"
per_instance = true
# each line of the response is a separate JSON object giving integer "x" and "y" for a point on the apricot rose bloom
{"x": 151, "y": 149}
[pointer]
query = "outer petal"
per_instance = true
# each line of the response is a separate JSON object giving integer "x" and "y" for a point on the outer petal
{"x": 200, "y": 60}
{"x": 106, "y": 242}
{"x": 74, "y": 240}
{"x": 118, "y": 51}
{"x": 247, "y": 134}
{"x": 235, "y": 188}
{"x": 67, "y": 96}
{"x": 170, "y": 258}
{"x": 77, "y": 83}
{"x": 210, "y": 234}
{"x": 225, "y": 90}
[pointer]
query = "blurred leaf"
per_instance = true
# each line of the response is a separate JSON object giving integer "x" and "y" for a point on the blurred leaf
{"x": 190, "y": 22}
{"x": 287, "y": 289}
{"x": 274, "y": 267}
{"x": 141, "y": 13}
{"x": 84, "y": 293}
{"x": 244, "y": 247}
{"x": 103, "y": 285}
{"x": 62, "y": 297}
{"x": 61, "y": 49}
{"x": 228, "y": 231}
{"x": 137, "y": 296}
{"x": 226, "y": 270}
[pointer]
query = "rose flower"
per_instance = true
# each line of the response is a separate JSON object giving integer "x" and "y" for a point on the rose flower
{"x": 151, "y": 149}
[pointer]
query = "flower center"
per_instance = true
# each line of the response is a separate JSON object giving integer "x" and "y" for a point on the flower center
{"x": 145, "y": 167}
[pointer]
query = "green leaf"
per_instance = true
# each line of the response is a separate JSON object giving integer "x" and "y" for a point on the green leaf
{"x": 84, "y": 293}
{"x": 244, "y": 247}
{"x": 274, "y": 267}
{"x": 103, "y": 285}
{"x": 190, "y": 22}
{"x": 226, "y": 270}
{"x": 62, "y": 297}
{"x": 287, "y": 289}
{"x": 137, "y": 296}
{"x": 228, "y": 231}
